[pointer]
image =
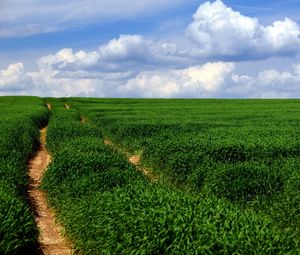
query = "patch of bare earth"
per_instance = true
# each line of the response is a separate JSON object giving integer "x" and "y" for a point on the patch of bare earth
{"x": 134, "y": 159}
{"x": 49, "y": 106}
{"x": 67, "y": 106}
{"x": 51, "y": 240}
{"x": 107, "y": 141}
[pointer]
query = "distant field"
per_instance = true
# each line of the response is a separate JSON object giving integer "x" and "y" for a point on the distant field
{"x": 206, "y": 176}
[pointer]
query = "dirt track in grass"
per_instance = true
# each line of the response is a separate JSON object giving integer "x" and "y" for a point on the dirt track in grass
{"x": 51, "y": 239}
{"x": 134, "y": 159}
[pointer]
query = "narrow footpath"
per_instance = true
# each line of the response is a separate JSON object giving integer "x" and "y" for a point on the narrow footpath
{"x": 51, "y": 240}
{"x": 134, "y": 160}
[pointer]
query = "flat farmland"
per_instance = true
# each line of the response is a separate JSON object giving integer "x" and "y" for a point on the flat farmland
{"x": 170, "y": 176}
{"x": 222, "y": 176}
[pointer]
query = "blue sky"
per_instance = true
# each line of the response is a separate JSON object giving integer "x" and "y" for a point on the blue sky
{"x": 158, "y": 48}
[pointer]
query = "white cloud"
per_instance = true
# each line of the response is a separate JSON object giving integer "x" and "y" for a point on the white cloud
{"x": 126, "y": 47}
{"x": 133, "y": 66}
{"x": 219, "y": 31}
{"x": 16, "y": 80}
{"x": 267, "y": 84}
{"x": 196, "y": 81}
{"x": 45, "y": 82}
{"x": 127, "y": 53}
{"x": 63, "y": 57}
{"x": 13, "y": 79}
{"x": 216, "y": 79}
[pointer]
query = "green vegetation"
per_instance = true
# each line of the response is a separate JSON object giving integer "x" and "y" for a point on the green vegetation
{"x": 246, "y": 151}
{"x": 229, "y": 176}
{"x": 20, "y": 119}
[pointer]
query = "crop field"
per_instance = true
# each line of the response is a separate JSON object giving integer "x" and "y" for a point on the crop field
{"x": 21, "y": 117}
{"x": 141, "y": 176}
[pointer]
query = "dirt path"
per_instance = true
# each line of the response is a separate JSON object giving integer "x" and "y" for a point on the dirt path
{"x": 51, "y": 240}
{"x": 49, "y": 106}
{"x": 134, "y": 160}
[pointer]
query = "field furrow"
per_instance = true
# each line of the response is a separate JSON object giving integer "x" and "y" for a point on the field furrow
{"x": 51, "y": 240}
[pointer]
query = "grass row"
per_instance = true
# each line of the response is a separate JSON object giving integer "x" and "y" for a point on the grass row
{"x": 107, "y": 207}
{"x": 20, "y": 119}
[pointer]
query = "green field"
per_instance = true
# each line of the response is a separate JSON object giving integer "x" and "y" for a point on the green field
{"x": 227, "y": 175}
{"x": 21, "y": 117}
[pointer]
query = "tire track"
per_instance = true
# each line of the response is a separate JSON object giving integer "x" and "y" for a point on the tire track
{"x": 135, "y": 160}
{"x": 51, "y": 240}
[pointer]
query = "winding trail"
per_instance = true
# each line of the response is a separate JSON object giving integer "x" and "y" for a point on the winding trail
{"x": 51, "y": 240}
{"x": 135, "y": 160}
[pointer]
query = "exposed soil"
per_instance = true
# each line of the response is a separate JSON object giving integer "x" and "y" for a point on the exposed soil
{"x": 51, "y": 240}
{"x": 134, "y": 159}
{"x": 49, "y": 106}
{"x": 107, "y": 141}
{"x": 67, "y": 106}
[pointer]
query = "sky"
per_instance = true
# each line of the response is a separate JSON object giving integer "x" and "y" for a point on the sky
{"x": 150, "y": 48}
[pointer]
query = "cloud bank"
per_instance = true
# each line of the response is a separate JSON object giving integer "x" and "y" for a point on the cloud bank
{"x": 197, "y": 81}
{"x": 215, "y": 79}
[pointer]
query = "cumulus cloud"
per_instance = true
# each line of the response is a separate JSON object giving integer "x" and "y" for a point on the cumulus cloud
{"x": 203, "y": 81}
{"x": 197, "y": 81}
{"x": 127, "y": 53}
{"x": 125, "y": 47}
{"x": 267, "y": 84}
{"x": 44, "y": 82}
{"x": 219, "y": 31}
{"x": 66, "y": 56}
{"x": 215, "y": 79}
{"x": 133, "y": 66}
{"x": 14, "y": 79}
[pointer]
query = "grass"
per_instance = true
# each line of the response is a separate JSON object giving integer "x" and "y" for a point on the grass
{"x": 21, "y": 117}
{"x": 238, "y": 159}
{"x": 229, "y": 174}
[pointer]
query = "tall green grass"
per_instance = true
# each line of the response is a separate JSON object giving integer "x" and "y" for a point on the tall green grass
{"x": 20, "y": 119}
{"x": 107, "y": 207}
{"x": 246, "y": 151}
